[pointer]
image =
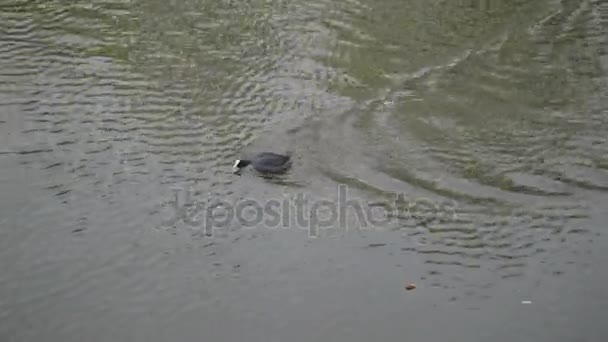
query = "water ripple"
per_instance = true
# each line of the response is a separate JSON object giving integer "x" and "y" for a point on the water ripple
{"x": 491, "y": 122}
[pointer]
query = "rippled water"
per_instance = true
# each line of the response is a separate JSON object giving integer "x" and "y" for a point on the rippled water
{"x": 476, "y": 129}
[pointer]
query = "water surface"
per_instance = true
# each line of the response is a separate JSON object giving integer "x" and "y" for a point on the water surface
{"x": 487, "y": 120}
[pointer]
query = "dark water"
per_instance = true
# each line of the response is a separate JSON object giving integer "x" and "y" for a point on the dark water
{"x": 473, "y": 133}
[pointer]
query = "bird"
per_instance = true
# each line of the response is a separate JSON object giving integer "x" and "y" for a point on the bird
{"x": 265, "y": 162}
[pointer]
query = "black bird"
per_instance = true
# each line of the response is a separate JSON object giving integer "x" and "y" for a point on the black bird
{"x": 265, "y": 162}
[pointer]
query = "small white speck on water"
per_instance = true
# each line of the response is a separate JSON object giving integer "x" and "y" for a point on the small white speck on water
{"x": 526, "y": 302}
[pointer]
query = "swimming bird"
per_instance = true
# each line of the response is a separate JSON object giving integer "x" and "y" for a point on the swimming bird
{"x": 265, "y": 162}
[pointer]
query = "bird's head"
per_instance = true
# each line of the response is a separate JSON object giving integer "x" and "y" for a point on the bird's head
{"x": 239, "y": 164}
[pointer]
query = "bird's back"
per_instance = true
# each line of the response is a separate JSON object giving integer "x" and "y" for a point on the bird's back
{"x": 269, "y": 162}
{"x": 270, "y": 159}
